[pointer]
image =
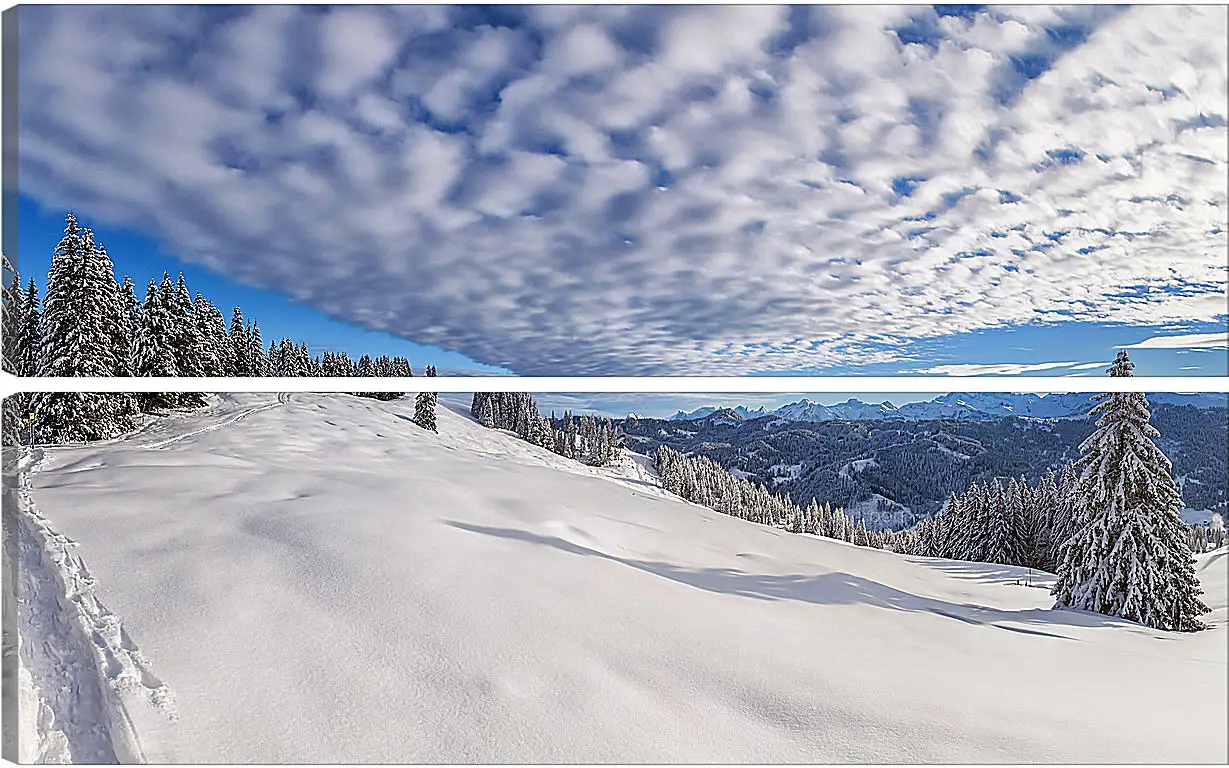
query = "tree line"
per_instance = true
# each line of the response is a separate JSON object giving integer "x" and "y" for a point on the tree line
{"x": 1208, "y": 536}
{"x": 1012, "y": 524}
{"x": 88, "y": 324}
{"x": 588, "y": 439}
{"x": 703, "y": 481}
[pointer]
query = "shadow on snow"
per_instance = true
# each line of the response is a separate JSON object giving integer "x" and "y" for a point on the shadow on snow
{"x": 836, "y": 588}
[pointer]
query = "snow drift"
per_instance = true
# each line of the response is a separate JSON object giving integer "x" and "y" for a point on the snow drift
{"x": 320, "y": 580}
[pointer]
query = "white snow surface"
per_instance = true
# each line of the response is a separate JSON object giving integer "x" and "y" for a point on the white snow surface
{"x": 322, "y": 581}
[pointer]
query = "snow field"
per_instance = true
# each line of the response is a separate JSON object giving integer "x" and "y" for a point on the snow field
{"x": 322, "y": 581}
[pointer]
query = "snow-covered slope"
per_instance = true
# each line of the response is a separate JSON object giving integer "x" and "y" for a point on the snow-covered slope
{"x": 323, "y": 581}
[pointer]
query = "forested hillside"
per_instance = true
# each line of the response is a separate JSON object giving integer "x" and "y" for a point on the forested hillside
{"x": 892, "y": 473}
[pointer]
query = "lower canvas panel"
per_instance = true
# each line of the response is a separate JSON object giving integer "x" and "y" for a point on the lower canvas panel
{"x": 324, "y": 578}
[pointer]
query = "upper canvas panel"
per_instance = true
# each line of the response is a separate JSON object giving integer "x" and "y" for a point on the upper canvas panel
{"x": 609, "y": 190}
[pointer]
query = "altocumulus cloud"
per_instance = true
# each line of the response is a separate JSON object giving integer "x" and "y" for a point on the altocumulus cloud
{"x": 627, "y": 190}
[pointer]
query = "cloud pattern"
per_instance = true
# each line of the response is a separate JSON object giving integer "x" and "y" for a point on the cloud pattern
{"x": 640, "y": 190}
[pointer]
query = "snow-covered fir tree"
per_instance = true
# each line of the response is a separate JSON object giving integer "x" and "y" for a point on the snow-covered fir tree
{"x": 13, "y": 407}
{"x": 130, "y": 320}
{"x": 1040, "y": 512}
{"x": 424, "y": 411}
{"x": 1130, "y": 558}
{"x": 1068, "y": 515}
{"x": 256, "y": 350}
{"x": 570, "y": 435}
{"x": 153, "y": 351}
{"x": 189, "y": 345}
{"x": 30, "y": 345}
{"x": 113, "y": 309}
{"x": 13, "y": 309}
{"x": 217, "y": 354}
{"x": 80, "y": 316}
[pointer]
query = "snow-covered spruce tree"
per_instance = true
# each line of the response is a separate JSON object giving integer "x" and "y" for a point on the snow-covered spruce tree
{"x": 130, "y": 321}
{"x": 981, "y": 520}
{"x": 189, "y": 345}
{"x": 240, "y": 344}
{"x": 283, "y": 359}
{"x": 12, "y": 410}
{"x": 1012, "y": 519}
{"x": 14, "y": 308}
{"x": 481, "y": 409}
{"x": 1131, "y": 558}
{"x": 153, "y": 351}
{"x": 1069, "y": 517}
{"x": 15, "y": 406}
{"x": 113, "y": 309}
{"x": 30, "y": 344}
{"x": 956, "y": 513}
{"x": 80, "y": 317}
{"x": 1043, "y": 511}
{"x": 424, "y": 411}
{"x": 570, "y": 435}
{"x": 217, "y": 354}
{"x": 256, "y": 350}
{"x": 1197, "y": 538}
{"x": 1216, "y": 531}
{"x": 435, "y": 396}
{"x": 947, "y": 522}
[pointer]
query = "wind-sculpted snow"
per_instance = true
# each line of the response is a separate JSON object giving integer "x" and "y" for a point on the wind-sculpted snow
{"x": 324, "y": 581}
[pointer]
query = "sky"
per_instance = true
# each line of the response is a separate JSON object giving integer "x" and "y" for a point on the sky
{"x": 643, "y": 190}
{"x": 142, "y": 259}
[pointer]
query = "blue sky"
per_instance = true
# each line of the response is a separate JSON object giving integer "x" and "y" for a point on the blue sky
{"x": 141, "y": 258}
{"x": 655, "y": 190}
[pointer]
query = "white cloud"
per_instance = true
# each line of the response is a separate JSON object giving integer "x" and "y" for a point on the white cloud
{"x": 357, "y": 44}
{"x": 994, "y": 369}
{"x": 1090, "y": 366}
{"x": 521, "y": 220}
{"x": 1183, "y": 341}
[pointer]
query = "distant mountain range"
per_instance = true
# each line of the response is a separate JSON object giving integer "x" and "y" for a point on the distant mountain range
{"x": 979, "y": 406}
{"x": 893, "y": 469}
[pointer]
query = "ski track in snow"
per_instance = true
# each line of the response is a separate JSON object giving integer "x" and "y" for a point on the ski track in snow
{"x": 83, "y": 666}
{"x": 78, "y": 673}
{"x": 282, "y": 398}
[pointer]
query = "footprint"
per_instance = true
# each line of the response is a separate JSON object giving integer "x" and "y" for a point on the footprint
{"x": 112, "y": 668}
{"x": 149, "y": 680}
